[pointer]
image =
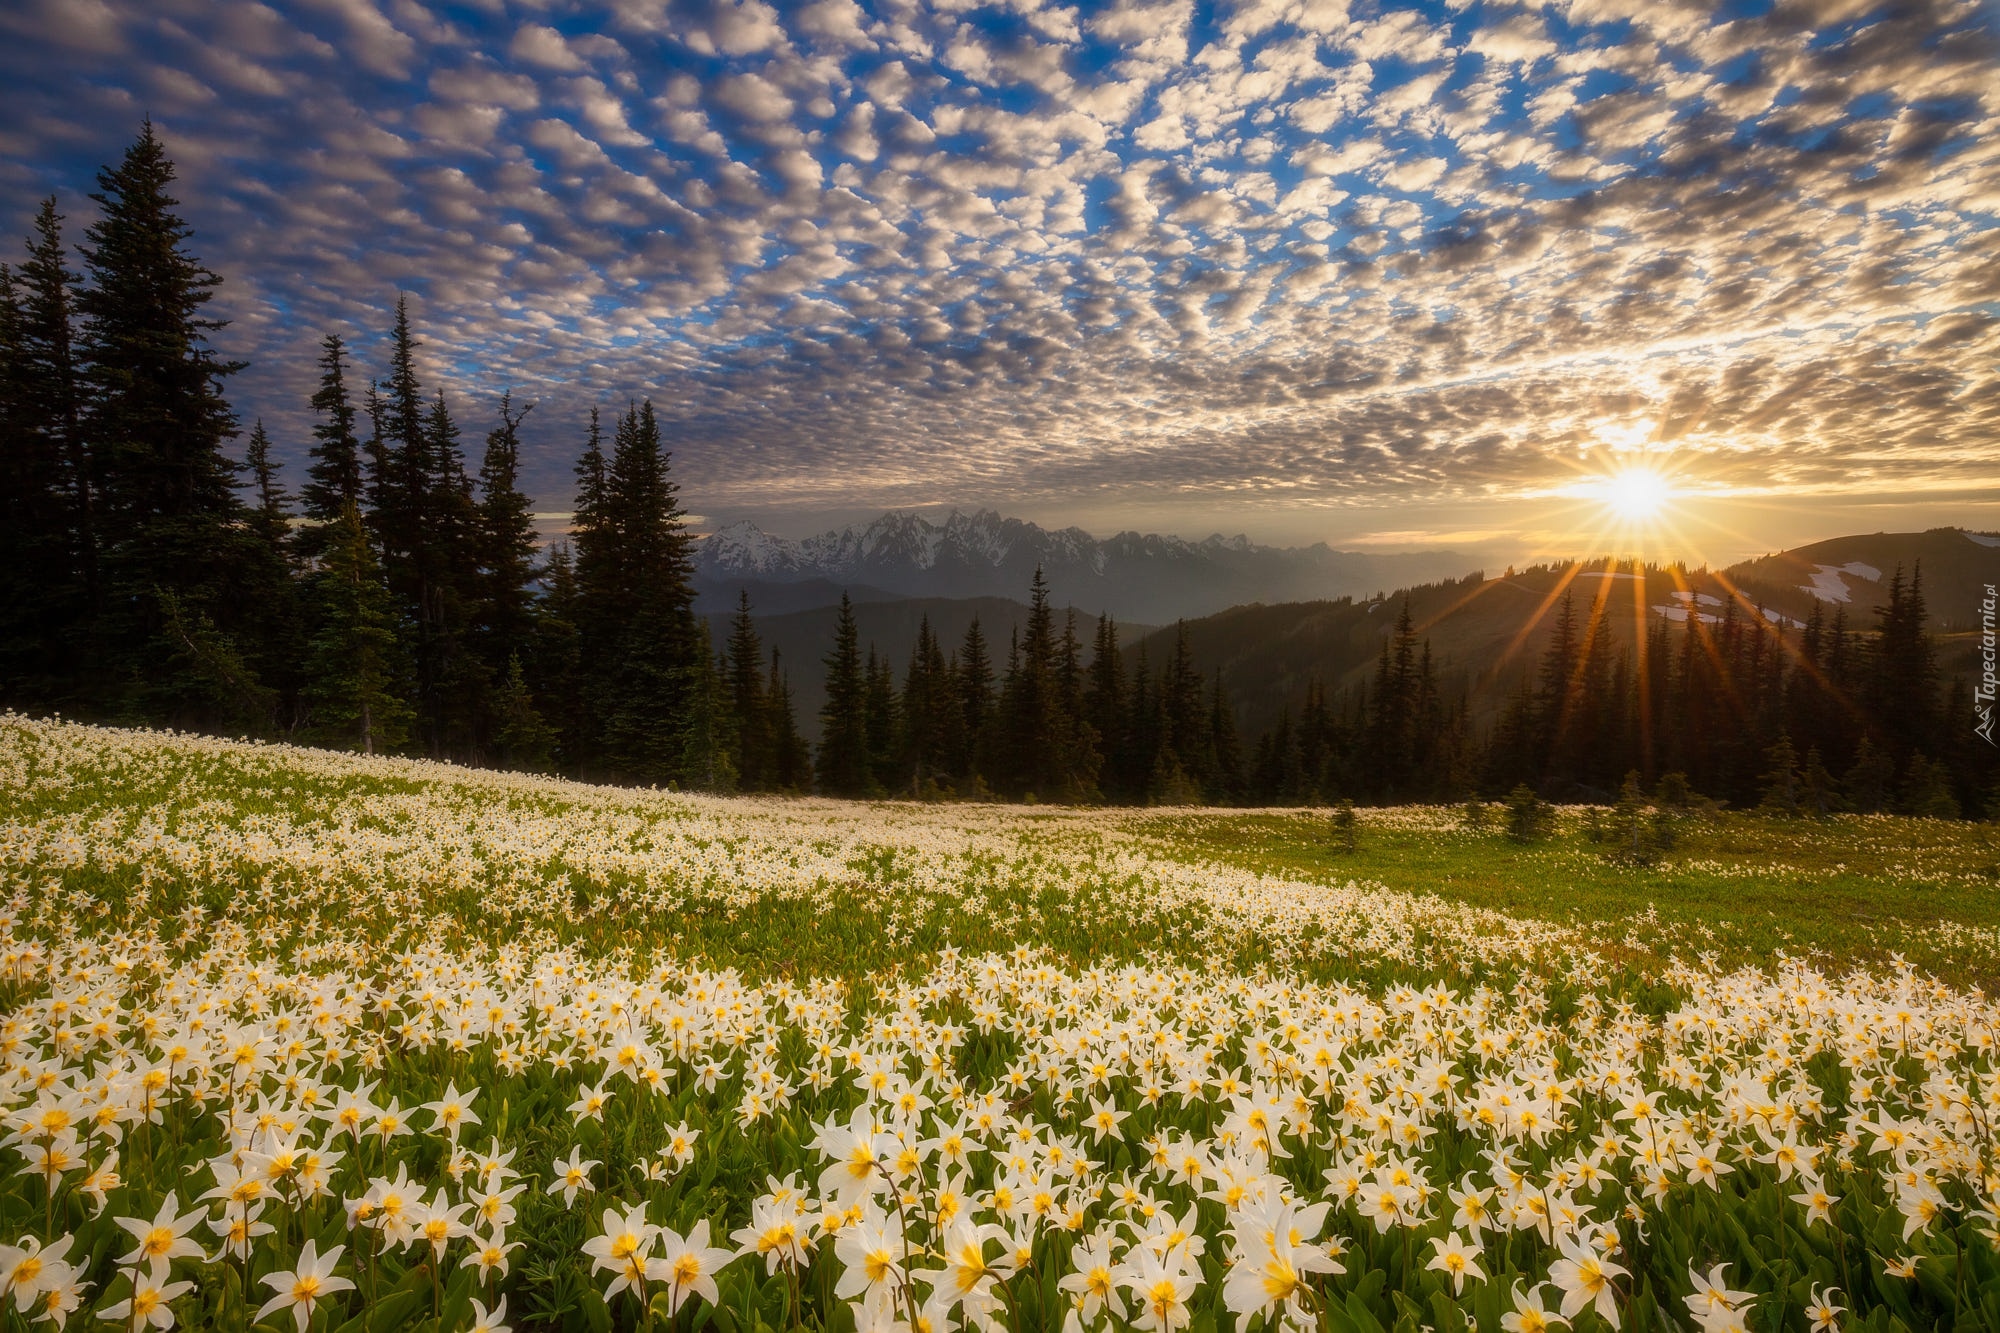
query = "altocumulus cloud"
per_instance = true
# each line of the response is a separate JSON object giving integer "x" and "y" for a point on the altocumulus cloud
{"x": 1310, "y": 251}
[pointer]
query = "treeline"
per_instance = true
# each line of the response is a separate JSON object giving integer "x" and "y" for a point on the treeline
{"x": 399, "y": 604}
{"x": 1828, "y": 715}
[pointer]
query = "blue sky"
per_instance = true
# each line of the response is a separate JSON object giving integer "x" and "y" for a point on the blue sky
{"x": 1306, "y": 268}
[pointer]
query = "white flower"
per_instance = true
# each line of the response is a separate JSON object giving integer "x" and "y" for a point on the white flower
{"x": 311, "y": 1281}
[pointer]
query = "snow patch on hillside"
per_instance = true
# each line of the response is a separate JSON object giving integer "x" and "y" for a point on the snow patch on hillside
{"x": 1829, "y": 582}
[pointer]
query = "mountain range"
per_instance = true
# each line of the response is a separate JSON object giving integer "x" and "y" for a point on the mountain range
{"x": 1132, "y": 576}
{"x": 1485, "y": 633}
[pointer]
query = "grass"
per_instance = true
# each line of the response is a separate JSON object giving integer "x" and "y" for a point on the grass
{"x": 1852, "y": 888}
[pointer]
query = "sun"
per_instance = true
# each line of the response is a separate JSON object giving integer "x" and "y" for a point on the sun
{"x": 1635, "y": 494}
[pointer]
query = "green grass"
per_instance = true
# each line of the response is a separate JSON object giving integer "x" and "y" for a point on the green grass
{"x": 1851, "y": 888}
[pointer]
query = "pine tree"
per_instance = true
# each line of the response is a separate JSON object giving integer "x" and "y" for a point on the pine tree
{"x": 1184, "y": 717}
{"x": 356, "y": 681}
{"x": 1926, "y": 790}
{"x": 594, "y": 605}
{"x": 1901, "y": 698}
{"x": 1868, "y": 782}
{"x": 1781, "y": 778}
{"x": 454, "y": 682}
{"x": 504, "y": 544}
{"x": 1392, "y": 722}
{"x": 634, "y": 571}
{"x": 882, "y": 726}
{"x": 1226, "y": 781}
{"x": 708, "y": 754}
{"x": 522, "y": 739}
{"x": 1048, "y": 751}
{"x": 334, "y": 478}
{"x": 53, "y": 385}
{"x": 842, "y": 768}
{"x": 975, "y": 695}
{"x": 743, "y": 678}
{"x": 47, "y": 544}
{"x": 791, "y": 758}
{"x": 1104, "y": 708}
{"x": 1818, "y": 793}
{"x": 927, "y": 706}
{"x": 173, "y": 544}
{"x": 555, "y": 667}
{"x": 274, "y": 633}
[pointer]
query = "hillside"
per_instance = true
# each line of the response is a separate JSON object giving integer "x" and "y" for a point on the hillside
{"x": 1855, "y": 571}
{"x": 1486, "y": 633}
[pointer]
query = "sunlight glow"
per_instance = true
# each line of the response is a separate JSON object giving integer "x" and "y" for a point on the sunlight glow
{"x": 1636, "y": 494}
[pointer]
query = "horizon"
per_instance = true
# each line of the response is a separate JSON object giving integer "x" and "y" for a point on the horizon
{"x": 1388, "y": 277}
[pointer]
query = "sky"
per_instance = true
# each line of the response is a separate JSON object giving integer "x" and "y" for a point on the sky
{"x": 1388, "y": 276}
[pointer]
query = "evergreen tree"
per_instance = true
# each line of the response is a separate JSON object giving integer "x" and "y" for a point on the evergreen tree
{"x": 275, "y": 621}
{"x": 791, "y": 758}
{"x": 975, "y": 695}
{"x": 755, "y": 756}
{"x": 1868, "y": 783}
{"x": 522, "y": 739}
{"x": 1226, "y": 781}
{"x": 1781, "y": 778}
{"x": 1926, "y": 790}
{"x": 52, "y": 385}
{"x": 454, "y": 683}
{"x": 636, "y": 601}
{"x": 334, "y": 478}
{"x": 842, "y": 768}
{"x": 505, "y": 545}
{"x": 927, "y": 708}
{"x": 1104, "y": 708}
{"x": 1184, "y": 721}
{"x": 708, "y": 757}
{"x": 555, "y": 668}
{"x": 1901, "y": 698}
{"x": 882, "y": 725}
{"x": 356, "y": 681}
{"x": 173, "y": 544}
{"x": 1392, "y": 722}
{"x": 1818, "y": 793}
{"x": 47, "y": 541}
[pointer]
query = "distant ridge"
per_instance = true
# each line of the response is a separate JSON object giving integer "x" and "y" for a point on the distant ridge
{"x": 1487, "y": 634}
{"x": 1133, "y": 576}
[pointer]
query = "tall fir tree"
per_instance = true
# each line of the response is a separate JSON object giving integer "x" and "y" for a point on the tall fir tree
{"x": 708, "y": 742}
{"x": 274, "y": 633}
{"x": 356, "y": 675}
{"x": 975, "y": 702}
{"x": 842, "y": 765}
{"x": 173, "y": 544}
{"x": 334, "y": 477}
{"x": 743, "y": 679}
{"x": 504, "y": 545}
{"x": 791, "y": 757}
{"x": 638, "y": 620}
{"x": 47, "y": 537}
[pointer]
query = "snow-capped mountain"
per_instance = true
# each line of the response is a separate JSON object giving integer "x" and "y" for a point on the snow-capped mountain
{"x": 1143, "y": 577}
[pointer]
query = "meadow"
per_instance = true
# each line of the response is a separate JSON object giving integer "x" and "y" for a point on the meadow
{"x": 298, "y": 1040}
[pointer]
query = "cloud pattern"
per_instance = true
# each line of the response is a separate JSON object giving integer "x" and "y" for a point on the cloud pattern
{"x": 1304, "y": 252}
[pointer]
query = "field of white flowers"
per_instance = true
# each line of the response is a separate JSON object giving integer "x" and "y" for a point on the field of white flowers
{"x": 296, "y": 1040}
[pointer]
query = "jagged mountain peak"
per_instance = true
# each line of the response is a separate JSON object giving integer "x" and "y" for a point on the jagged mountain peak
{"x": 983, "y": 553}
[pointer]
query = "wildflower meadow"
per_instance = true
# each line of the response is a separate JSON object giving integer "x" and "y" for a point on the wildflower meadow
{"x": 295, "y": 1040}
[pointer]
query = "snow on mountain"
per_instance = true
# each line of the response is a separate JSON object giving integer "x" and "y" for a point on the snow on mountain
{"x": 1146, "y": 577}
